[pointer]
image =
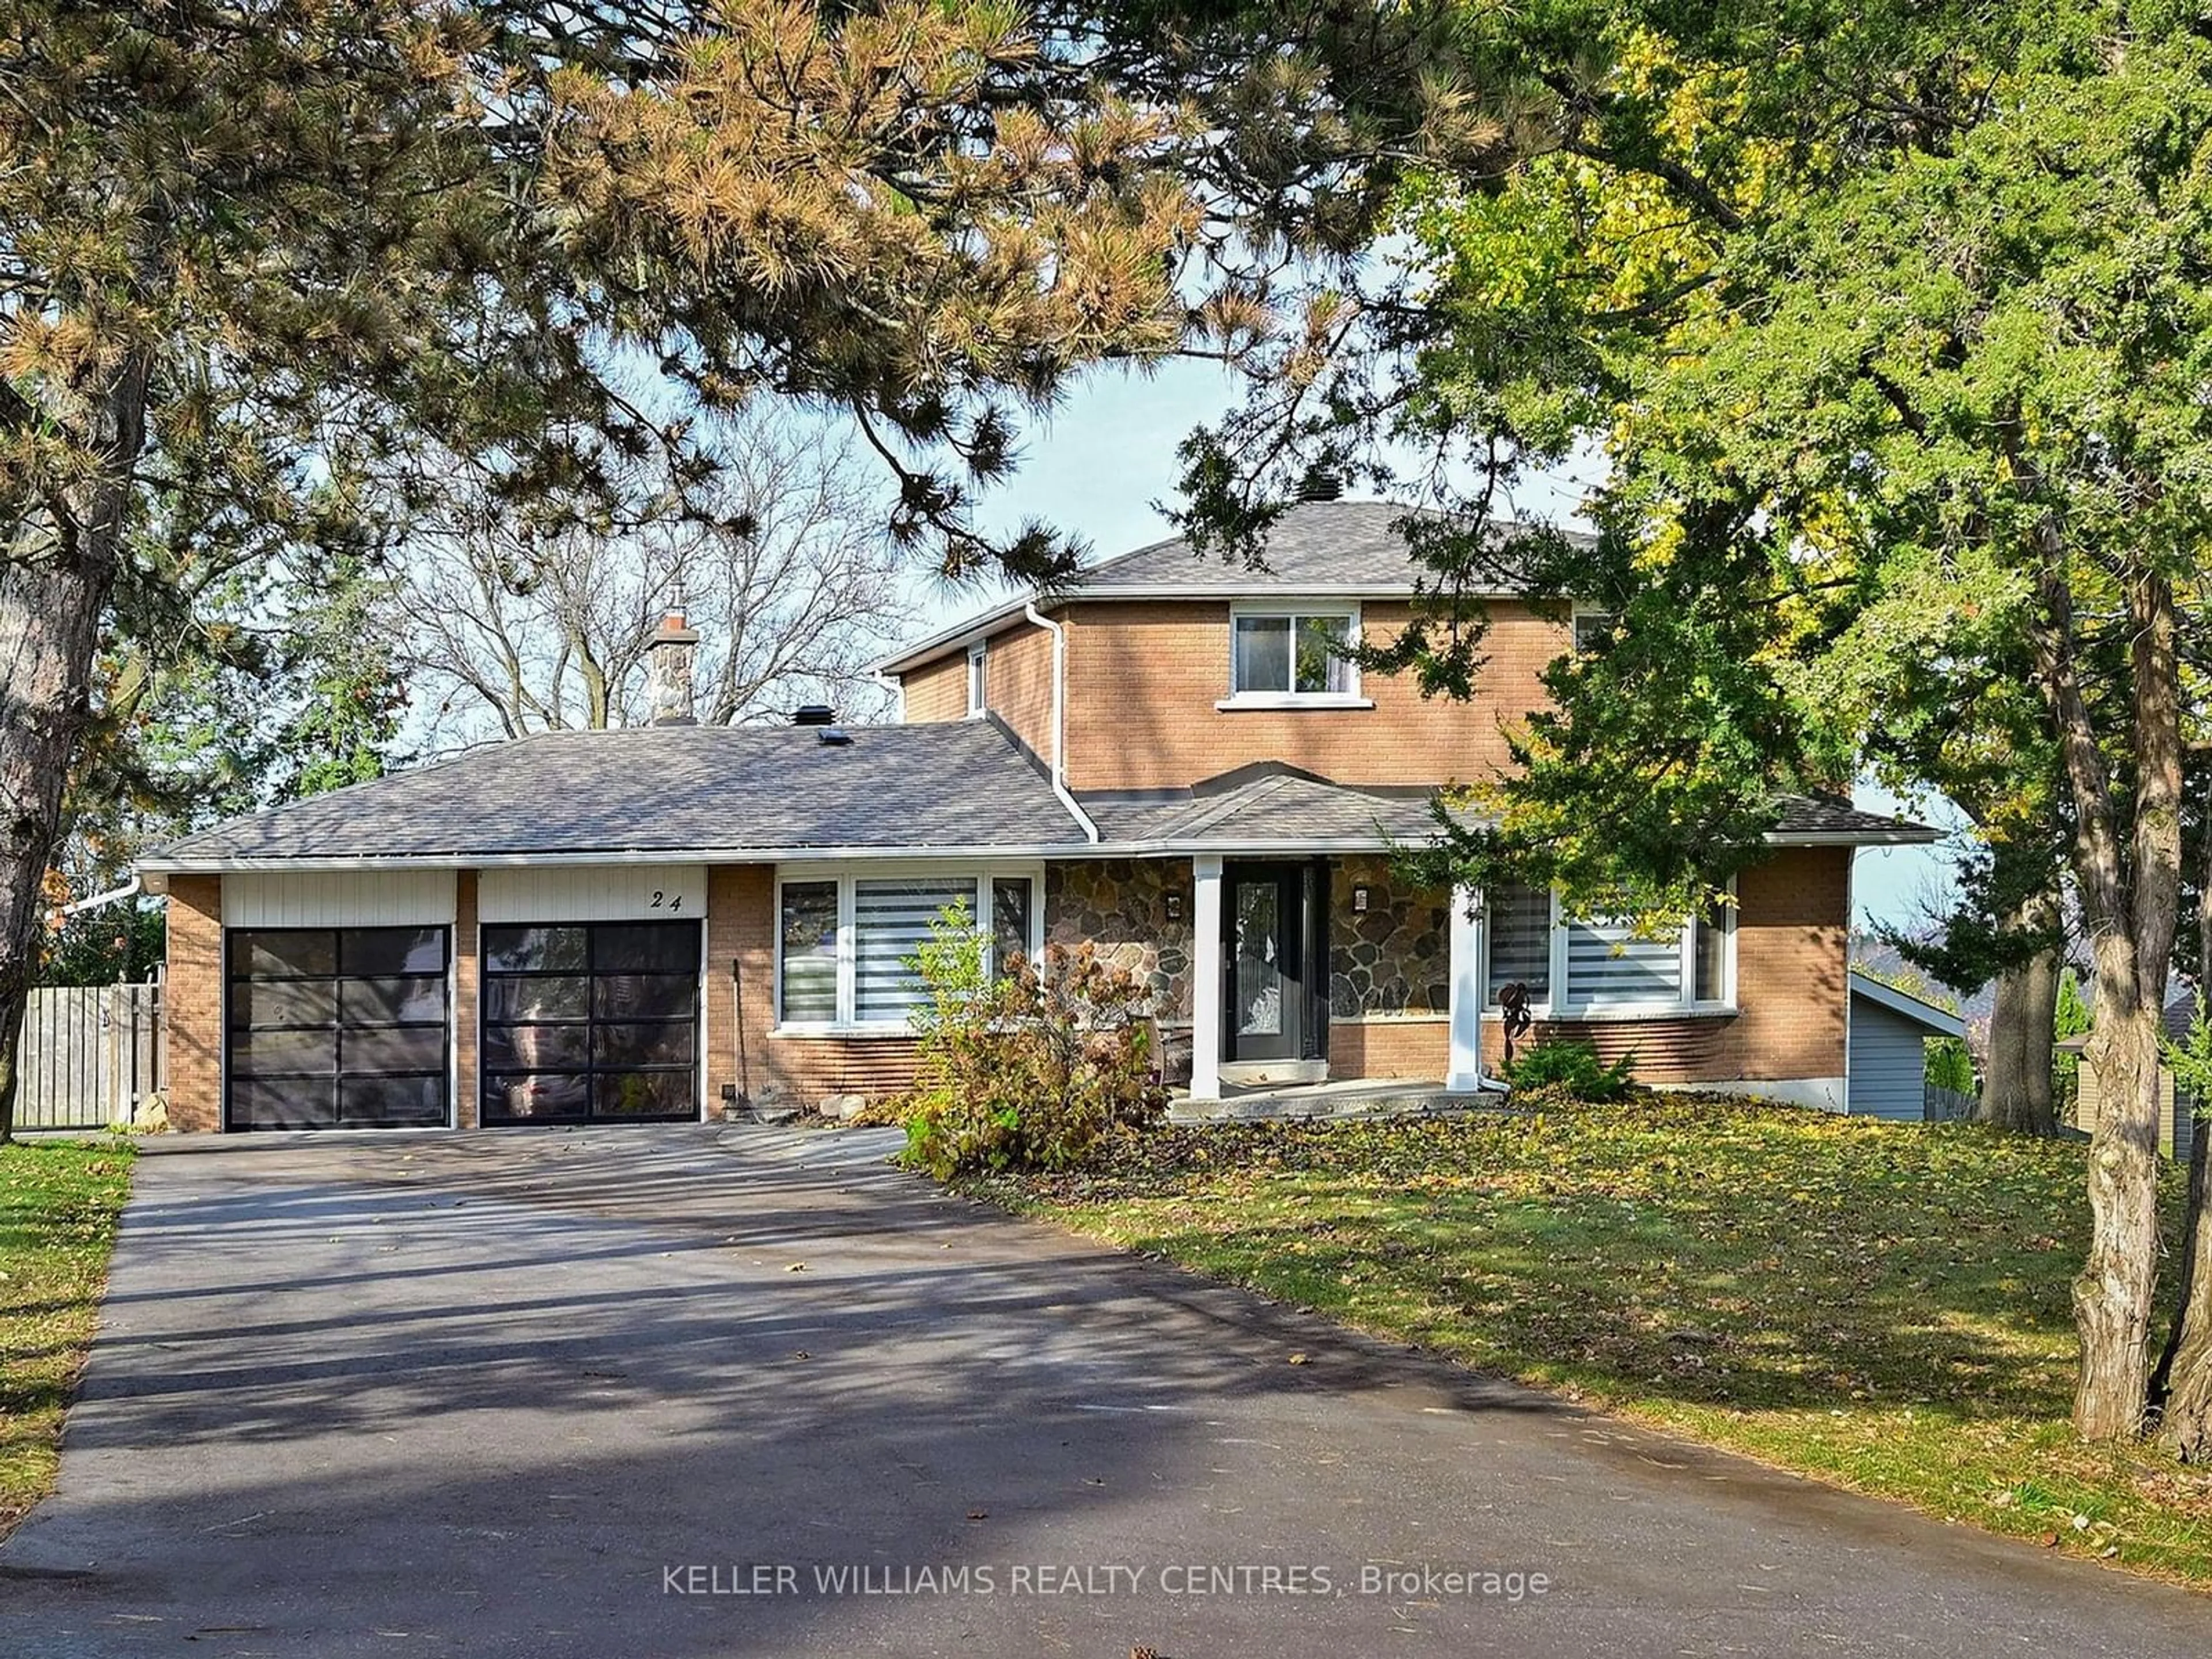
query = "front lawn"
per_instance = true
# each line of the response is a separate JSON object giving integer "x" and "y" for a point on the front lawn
{"x": 1883, "y": 1306}
{"x": 59, "y": 1202}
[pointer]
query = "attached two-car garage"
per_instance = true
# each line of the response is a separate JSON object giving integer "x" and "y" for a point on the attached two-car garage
{"x": 351, "y": 1001}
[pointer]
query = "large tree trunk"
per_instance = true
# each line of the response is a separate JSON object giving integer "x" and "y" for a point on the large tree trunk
{"x": 54, "y": 588}
{"x": 2016, "y": 1092}
{"x": 2181, "y": 1389}
{"x": 2113, "y": 1292}
{"x": 2130, "y": 892}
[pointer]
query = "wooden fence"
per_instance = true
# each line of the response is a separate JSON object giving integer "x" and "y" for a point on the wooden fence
{"x": 1943, "y": 1105}
{"x": 89, "y": 1054}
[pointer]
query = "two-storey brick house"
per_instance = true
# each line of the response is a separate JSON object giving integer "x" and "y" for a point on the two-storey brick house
{"x": 1171, "y": 760}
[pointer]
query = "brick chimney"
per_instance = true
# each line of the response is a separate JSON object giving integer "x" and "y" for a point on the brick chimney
{"x": 668, "y": 671}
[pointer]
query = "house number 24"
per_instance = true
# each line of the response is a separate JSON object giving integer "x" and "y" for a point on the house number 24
{"x": 671, "y": 902}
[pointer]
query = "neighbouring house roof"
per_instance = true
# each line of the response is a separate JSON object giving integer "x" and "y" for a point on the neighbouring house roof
{"x": 666, "y": 790}
{"x": 1940, "y": 1021}
{"x": 2179, "y": 1015}
{"x": 1349, "y": 550}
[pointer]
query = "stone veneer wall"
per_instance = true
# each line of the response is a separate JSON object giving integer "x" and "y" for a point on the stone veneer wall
{"x": 1121, "y": 905}
{"x": 1395, "y": 957}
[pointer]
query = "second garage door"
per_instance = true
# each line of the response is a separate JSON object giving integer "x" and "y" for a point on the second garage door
{"x": 589, "y": 1022}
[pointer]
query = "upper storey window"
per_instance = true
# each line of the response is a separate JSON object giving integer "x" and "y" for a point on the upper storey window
{"x": 979, "y": 684}
{"x": 1293, "y": 655}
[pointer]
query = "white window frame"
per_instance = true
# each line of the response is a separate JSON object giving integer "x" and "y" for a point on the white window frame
{"x": 1293, "y": 608}
{"x": 1590, "y": 613}
{"x": 1557, "y": 1006}
{"x": 981, "y": 875}
{"x": 979, "y": 684}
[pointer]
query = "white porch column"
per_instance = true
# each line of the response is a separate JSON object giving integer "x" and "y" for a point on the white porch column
{"x": 1205, "y": 978}
{"x": 1464, "y": 1074}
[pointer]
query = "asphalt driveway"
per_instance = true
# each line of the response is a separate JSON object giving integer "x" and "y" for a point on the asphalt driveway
{"x": 554, "y": 1393}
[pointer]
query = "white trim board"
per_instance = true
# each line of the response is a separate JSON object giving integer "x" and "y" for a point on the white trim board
{"x": 617, "y": 892}
{"x": 340, "y": 898}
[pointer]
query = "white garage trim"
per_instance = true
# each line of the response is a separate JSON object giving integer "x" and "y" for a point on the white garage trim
{"x": 604, "y": 892}
{"x": 340, "y": 898}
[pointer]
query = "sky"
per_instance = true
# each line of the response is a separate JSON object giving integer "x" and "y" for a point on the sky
{"x": 1095, "y": 470}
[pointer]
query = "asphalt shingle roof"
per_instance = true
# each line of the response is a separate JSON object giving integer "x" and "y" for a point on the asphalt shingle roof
{"x": 1278, "y": 808}
{"x": 1829, "y": 815}
{"x": 781, "y": 790}
{"x": 672, "y": 788}
{"x": 1314, "y": 544}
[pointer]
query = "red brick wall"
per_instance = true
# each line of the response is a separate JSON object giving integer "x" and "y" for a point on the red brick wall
{"x": 192, "y": 993}
{"x": 1143, "y": 678}
{"x": 741, "y": 1012}
{"x": 1793, "y": 964}
{"x": 1018, "y": 684}
{"x": 938, "y": 691}
{"x": 737, "y": 927}
{"x": 810, "y": 1069}
{"x": 1681, "y": 1050}
{"x": 1397, "y": 1048}
{"x": 1793, "y": 916}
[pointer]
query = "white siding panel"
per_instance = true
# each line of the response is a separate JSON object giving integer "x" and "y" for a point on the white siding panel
{"x": 593, "y": 892}
{"x": 338, "y": 898}
{"x": 1888, "y": 1063}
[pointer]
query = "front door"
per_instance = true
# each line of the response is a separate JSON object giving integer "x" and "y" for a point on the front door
{"x": 1266, "y": 949}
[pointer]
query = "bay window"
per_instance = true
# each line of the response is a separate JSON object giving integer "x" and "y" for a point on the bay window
{"x": 845, "y": 941}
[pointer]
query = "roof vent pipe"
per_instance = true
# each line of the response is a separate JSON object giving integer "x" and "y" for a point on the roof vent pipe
{"x": 668, "y": 671}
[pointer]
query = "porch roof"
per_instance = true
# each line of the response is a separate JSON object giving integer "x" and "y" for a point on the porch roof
{"x": 1266, "y": 809}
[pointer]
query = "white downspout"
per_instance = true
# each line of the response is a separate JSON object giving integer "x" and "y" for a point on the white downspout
{"x": 130, "y": 889}
{"x": 1060, "y": 718}
{"x": 896, "y": 689}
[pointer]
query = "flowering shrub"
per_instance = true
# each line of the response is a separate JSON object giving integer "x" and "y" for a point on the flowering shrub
{"x": 1039, "y": 1066}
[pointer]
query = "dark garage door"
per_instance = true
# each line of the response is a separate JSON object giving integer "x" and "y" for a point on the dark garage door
{"x": 591, "y": 1022}
{"x": 336, "y": 1028}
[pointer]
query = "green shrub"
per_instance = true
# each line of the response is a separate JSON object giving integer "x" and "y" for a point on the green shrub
{"x": 1950, "y": 1065}
{"x": 1040, "y": 1067}
{"x": 1571, "y": 1068}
